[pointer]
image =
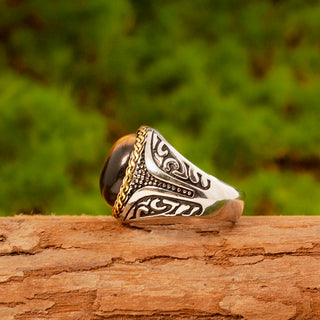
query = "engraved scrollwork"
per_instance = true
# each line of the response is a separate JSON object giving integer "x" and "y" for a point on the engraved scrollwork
{"x": 162, "y": 206}
{"x": 167, "y": 161}
{"x": 142, "y": 178}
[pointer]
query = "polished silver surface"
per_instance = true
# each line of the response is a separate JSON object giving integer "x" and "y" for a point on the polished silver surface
{"x": 165, "y": 183}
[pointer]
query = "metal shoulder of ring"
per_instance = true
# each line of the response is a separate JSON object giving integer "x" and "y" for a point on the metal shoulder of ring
{"x": 159, "y": 181}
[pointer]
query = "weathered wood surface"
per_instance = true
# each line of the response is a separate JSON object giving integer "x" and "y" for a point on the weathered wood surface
{"x": 95, "y": 268}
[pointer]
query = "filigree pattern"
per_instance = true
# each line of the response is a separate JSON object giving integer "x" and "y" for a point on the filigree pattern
{"x": 168, "y": 162}
{"x": 155, "y": 205}
{"x": 142, "y": 178}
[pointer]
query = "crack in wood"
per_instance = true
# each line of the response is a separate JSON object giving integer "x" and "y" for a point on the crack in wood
{"x": 182, "y": 313}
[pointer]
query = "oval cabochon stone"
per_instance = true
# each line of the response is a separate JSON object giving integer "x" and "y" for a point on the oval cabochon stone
{"x": 115, "y": 166}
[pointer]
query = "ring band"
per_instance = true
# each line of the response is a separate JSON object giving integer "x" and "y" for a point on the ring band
{"x": 154, "y": 179}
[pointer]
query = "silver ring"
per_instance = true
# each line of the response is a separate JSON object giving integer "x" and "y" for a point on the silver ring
{"x": 144, "y": 176}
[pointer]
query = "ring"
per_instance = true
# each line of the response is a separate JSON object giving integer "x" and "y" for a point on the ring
{"x": 144, "y": 176}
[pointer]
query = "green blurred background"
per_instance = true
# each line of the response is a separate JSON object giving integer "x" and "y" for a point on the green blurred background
{"x": 233, "y": 85}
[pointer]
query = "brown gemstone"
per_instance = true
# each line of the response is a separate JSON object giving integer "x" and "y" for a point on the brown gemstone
{"x": 114, "y": 168}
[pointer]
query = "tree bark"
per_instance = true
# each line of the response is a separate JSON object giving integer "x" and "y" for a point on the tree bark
{"x": 189, "y": 268}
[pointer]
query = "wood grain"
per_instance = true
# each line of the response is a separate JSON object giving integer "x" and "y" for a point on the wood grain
{"x": 190, "y": 268}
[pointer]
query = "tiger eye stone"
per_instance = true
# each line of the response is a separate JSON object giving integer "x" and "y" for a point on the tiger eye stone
{"x": 114, "y": 168}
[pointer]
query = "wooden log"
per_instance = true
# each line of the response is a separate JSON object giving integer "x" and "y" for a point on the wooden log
{"x": 191, "y": 268}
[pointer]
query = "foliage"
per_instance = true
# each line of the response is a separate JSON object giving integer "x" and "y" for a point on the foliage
{"x": 232, "y": 85}
{"x": 48, "y": 149}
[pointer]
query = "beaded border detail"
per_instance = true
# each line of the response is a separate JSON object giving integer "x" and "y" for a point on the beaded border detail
{"x": 122, "y": 196}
